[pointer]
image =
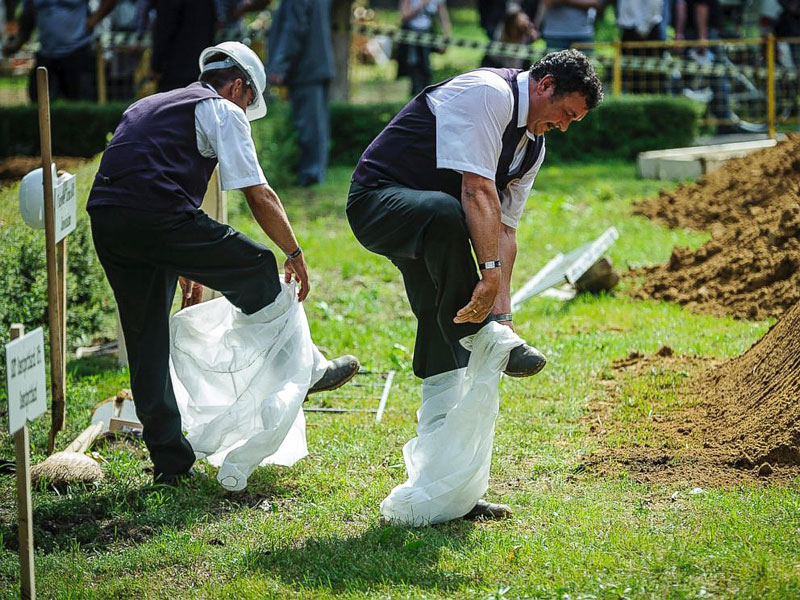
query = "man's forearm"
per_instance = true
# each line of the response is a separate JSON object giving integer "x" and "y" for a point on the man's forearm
{"x": 482, "y": 210}
{"x": 27, "y": 22}
{"x": 508, "y": 254}
{"x": 271, "y": 217}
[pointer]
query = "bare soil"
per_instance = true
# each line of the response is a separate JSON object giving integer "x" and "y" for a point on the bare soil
{"x": 751, "y": 266}
{"x": 14, "y": 168}
{"x": 737, "y": 421}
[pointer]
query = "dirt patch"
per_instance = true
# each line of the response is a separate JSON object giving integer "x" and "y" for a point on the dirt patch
{"x": 735, "y": 422}
{"x": 14, "y": 168}
{"x": 751, "y": 266}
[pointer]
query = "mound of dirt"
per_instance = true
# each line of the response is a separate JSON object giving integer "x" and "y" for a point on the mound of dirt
{"x": 737, "y": 421}
{"x": 751, "y": 266}
{"x": 749, "y": 407}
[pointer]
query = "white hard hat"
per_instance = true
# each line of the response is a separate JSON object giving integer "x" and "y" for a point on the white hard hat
{"x": 31, "y": 197}
{"x": 243, "y": 57}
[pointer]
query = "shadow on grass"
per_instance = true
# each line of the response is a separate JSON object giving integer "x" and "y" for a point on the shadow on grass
{"x": 379, "y": 556}
{"x": 121, "y": 512}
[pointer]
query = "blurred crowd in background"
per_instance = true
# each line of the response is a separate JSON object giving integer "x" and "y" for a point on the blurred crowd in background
{"x": 174, "y": 31}
{"x": 177, "y": 30}
{"x": 126, "y": 49}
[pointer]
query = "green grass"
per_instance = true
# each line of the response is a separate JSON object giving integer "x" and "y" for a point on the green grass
{"x": 312, "y": 530}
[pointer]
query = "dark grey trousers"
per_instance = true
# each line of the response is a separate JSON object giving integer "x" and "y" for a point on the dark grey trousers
{"x": 142, "y": 254}
{"x": 310, "y": 114}
{"x": 424, "y": 233}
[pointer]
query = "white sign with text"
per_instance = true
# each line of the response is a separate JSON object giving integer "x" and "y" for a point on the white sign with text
{"x": 65, "y": 201}
{"x": 27, "y": 393}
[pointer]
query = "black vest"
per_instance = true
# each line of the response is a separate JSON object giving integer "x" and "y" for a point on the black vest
{"x": 152, "y": 162}
{"x": 405, "y": 151}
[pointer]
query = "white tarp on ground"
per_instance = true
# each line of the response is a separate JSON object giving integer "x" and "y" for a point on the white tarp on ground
{"x": 240, "y": 381}
{"x": 448, "y": 462}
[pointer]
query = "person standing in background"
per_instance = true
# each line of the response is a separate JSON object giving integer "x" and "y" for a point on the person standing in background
{"x": 414, "y": 61}
{"x": 183, "y": 28}
{"x": 300, "y": 56}
{"x": 517, "y": 28}
{"x": 782, "y": 18}
{"x": 66, "y": 47}
{"x": 640, "y": 21}
{"x": 701, "y": 20}
{"x": 568, "y": 22}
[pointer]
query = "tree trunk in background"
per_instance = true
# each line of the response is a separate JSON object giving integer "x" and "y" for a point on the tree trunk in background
{"x": 340, "y": 21}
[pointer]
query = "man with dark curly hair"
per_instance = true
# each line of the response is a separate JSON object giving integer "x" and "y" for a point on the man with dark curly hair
{"x": 449, "y": 177}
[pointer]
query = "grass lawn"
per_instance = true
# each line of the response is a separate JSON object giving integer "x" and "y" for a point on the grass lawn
{"x": 313, "y": 530}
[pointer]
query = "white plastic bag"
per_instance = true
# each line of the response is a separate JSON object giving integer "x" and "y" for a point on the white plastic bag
{"x": 448, "y": 462}
{"x": 240, "y": 381}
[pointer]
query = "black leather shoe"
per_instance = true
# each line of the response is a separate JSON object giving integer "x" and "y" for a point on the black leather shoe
{"x": 485, "y": 511}
{"x": 339, "y": 371}
{"x": 524, "y": 361}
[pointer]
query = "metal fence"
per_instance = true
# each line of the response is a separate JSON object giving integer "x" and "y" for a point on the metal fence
{"x": 748, "y": 85}
{"x": 743, "y": 84}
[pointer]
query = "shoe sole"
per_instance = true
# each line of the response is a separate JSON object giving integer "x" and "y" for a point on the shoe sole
{"x": 340, "y": 383}
{"x": 526, "y": 373}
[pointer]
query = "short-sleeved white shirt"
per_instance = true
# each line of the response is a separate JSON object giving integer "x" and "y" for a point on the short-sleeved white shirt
{"x": 223, "y": 131}
{"x": 472, "y": 111}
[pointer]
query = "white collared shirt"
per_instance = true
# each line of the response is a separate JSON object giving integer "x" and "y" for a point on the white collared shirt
{"x": 472, "y": 111}
{"x": 223, "y": 131}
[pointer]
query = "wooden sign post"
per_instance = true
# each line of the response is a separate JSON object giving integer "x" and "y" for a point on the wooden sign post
{"x": 27, "y": 399}
{"x": 56, "y": 267}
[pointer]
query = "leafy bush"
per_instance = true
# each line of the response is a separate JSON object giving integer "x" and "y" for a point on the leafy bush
{"x": 276, "y": 145}
{"x": 354, "y": 127}
{"x": 624, "y": 126}
{"x": 77, "y": 128}
{"x": 23, "y": 285}
{"x": 23, "y": 277}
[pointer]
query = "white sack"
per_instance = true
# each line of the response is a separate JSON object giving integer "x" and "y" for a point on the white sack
{"x": 448, "y": 462}
{"x": 240, "y": 381}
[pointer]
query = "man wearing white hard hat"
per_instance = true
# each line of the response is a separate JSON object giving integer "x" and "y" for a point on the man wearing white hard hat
{"x": 148, "y": 229}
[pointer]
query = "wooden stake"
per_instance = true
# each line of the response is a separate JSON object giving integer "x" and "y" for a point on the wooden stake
{"x": 61, "y": 255}
{"x": 215, "y": 205}
{"x": 27, "y": 582}
{"x": 100, "y": 65}
{"x": 57, "y": 378}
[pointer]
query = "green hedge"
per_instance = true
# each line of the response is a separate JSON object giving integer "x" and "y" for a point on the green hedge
{"x": 622, "y": 127}
{"x": 77, "y": 128}
{"x": 618, "y": 128}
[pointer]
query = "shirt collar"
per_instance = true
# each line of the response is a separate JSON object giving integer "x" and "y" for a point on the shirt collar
{"x": 524, "y": 102}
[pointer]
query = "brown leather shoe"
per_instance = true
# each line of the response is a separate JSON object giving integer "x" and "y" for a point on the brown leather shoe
{"x": 524, "y": 361}
{"x": 486, "y": 511}
{"x": 339, "y": 371}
